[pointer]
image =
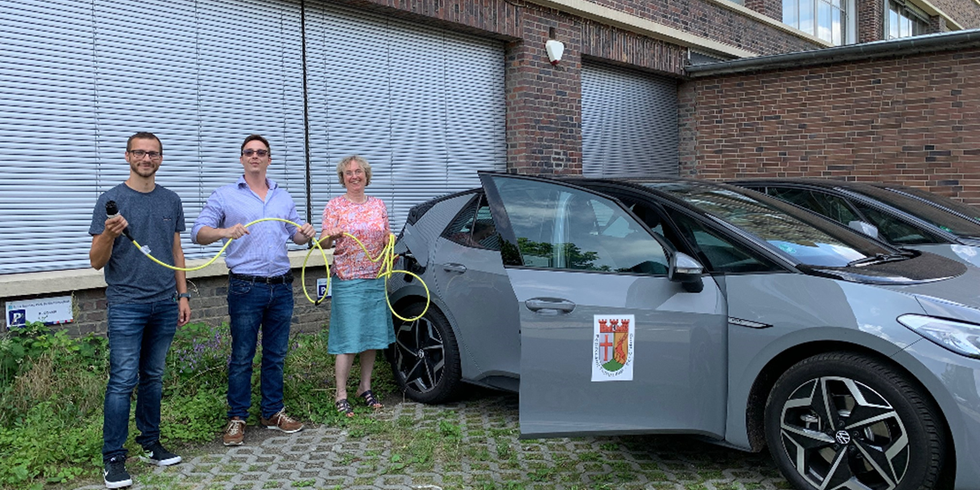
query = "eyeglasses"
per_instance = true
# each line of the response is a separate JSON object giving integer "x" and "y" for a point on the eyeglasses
{"x": 250, "y": 151}
{"x": 142, "y": 153}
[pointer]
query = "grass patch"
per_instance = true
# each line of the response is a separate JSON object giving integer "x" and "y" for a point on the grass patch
{"x": 52, "y": 387}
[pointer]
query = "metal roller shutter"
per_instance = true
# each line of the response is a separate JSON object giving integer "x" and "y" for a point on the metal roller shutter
{"x": 78, "y": 77}
{"x": 424, "y": 106}
{"x": 629, "y": 123}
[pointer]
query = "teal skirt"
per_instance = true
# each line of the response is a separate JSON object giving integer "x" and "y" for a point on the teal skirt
{"x": 359, "y": 316}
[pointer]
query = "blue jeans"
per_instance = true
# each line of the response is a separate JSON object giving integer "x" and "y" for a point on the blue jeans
{"x": 251, "y": 306}
{"x": 139, "y": 338}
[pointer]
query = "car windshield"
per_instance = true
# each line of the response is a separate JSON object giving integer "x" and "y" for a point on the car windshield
{"x": 928, "y": 207}
{"x": 798, "y": 234}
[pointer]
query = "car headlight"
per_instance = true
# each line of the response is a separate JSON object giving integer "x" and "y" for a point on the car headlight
{"x": 959, "y": 337}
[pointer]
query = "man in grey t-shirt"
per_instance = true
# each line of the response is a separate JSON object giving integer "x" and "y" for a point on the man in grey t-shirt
{"x": 146, "y": 302}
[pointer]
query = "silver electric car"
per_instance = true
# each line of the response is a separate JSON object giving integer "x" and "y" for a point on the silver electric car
{"x": 675, "y": 306}
{"x": 903, "y": 216}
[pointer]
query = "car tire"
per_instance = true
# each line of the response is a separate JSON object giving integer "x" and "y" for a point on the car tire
{"x": 879, "y": 427}
{"x": 425, "y": 356}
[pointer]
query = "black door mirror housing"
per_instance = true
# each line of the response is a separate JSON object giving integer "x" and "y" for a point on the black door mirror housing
{"x": 687, "y": 271}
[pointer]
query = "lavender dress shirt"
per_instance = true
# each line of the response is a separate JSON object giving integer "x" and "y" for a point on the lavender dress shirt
{"x": 263, "y": 251}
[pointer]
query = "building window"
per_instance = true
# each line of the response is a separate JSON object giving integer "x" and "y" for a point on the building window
{"x": 827, "y": 19}
{"x": 905, "y": 20}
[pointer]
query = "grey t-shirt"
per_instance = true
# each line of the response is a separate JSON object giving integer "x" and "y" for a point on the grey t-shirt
{"x": 153, "y": 219}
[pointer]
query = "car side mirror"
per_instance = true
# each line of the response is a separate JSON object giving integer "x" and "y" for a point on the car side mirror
{"x": 864, "y": 227}
{"x": 687, "y": 271}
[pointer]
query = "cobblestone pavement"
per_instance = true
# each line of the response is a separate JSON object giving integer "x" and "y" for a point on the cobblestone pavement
{"x": 485, "y": 453}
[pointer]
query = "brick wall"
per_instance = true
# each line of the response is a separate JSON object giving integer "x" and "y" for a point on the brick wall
{"x": 209, "y": 305}
{"x": 913, "y": 120}
{"x": 965, "y": 12}
{"x": 870, "y": 21}
{"x": 544, "y": 102}
{"x": 481, "y": 17}
{"x": 770, "y": 8}
{"x": 616, "y": 46}
{"x": 710, "y": 20}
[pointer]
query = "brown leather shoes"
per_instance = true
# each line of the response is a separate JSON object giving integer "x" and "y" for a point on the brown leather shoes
{"x": 283, "y": 422}
{"x": 234, "y": 432}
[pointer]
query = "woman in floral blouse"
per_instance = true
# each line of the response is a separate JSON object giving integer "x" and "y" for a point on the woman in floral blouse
{"x": 359, "y": 319}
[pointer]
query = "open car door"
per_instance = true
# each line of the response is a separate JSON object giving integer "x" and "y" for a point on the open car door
{"x": 609, "y": 344}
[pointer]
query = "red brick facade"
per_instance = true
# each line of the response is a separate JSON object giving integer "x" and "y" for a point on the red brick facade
{"x": 870, "y": 21}
{"x": 913, "y": 120}
{"x": 770, "y": 8}
{"x": 544, "y": 101}
{"x": 710, "y": 20}
{"x": 965, "y": 13}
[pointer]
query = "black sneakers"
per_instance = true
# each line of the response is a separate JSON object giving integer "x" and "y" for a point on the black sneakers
{"x": 115, "y": 474}
{"x": 156, "y": 454}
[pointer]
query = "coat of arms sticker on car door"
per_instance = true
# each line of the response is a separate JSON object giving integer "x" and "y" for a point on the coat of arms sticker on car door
{"x": 612, "y": 348}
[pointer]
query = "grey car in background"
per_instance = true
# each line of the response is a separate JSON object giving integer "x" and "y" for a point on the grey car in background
{"x": 675, "y": 306}
{"x": 903, "y": 216}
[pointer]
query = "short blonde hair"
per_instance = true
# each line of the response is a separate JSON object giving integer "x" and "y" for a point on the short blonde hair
{"x": 365, "y": 166}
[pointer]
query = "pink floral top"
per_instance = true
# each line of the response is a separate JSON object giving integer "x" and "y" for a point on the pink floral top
{"x": 368, "y": 221}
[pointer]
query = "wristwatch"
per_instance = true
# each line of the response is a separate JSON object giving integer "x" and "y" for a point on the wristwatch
{"x": 184, "y": 295}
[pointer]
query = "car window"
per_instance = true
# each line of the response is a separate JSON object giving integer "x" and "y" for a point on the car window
{"x": 474, "y": 227}
{"x": 558, "y": 227}
{"x": 720, "y": 254}
{"x": 833, "y": 207}
{"x": 930, "y": 207}
{"x": 893, "y": 229}
{"x": 788, "y": 230}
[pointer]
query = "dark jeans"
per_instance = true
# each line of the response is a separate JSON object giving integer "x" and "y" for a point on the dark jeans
{"x": 139, "y": 338}
{"x": 252, "y": 305}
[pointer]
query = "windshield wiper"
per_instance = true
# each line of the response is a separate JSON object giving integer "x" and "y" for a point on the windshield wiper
{"x": 880, "y": 259}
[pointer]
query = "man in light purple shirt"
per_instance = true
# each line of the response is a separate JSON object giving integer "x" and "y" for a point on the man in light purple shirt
{"x": 260, "y": 290}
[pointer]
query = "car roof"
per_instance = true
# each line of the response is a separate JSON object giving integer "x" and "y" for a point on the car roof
{"x": 641, "y": 184}
{"x": 815, "y": 182}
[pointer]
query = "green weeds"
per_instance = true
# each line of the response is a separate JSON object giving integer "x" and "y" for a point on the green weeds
{"x": 52, "y": 388}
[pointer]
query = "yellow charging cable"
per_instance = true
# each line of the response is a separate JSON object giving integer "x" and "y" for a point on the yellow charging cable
{"x": 387, "y": 255}
{"x": 387, "y": 267}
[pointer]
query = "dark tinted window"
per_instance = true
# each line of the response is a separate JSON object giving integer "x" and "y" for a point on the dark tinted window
{"x": 558, "y": 227}
{"x": 830, "y": 206}
{"x": 788, "y": 230}
{"x": 474, "y": 227}
{"x": 928, "y": 207}
{"x": 720, "y": 253}
{"x": 893, "y": 229}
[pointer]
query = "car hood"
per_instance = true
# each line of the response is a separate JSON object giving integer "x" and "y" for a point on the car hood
{"x": 955, "y": 298}
{"x": 965, "y": 253}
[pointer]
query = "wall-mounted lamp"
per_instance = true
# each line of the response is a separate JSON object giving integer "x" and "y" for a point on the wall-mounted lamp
{"x": 555, "y": 50}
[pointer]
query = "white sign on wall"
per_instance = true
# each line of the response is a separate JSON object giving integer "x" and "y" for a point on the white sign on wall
{"x": 50, "y": 311}
{"x": 322, "y": 292}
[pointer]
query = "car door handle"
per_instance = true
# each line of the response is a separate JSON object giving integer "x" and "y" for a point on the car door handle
{"x": 454, "y": 268}
{"x": 549, "y": 304}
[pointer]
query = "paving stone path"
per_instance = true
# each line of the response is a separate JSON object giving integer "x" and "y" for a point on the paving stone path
{"x": 485, "y": 454}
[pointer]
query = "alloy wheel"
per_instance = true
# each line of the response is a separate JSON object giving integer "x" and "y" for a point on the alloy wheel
{"x": 419, "y": 354}
{"x": 840, "y": 433}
